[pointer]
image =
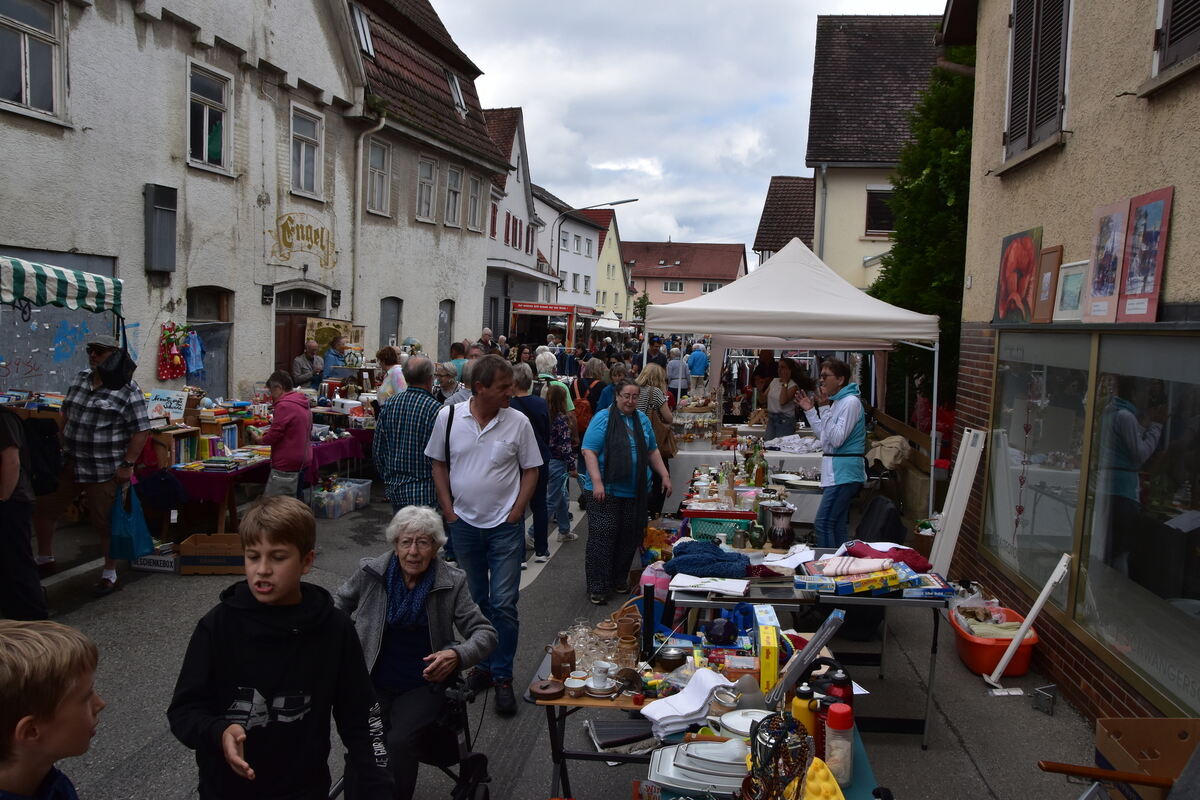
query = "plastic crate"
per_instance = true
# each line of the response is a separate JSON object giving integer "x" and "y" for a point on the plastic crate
{"x": 360, "y": 488}
{"x": 707, "y": 530}
{"x": 331, "y": 505}
{"x": 982, "y": 655}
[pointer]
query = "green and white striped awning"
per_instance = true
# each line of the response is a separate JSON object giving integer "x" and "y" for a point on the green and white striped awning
{"x": 45, "y": 285}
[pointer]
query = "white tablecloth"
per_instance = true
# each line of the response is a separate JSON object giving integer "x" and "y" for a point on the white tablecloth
{"x": 685, "y": 462}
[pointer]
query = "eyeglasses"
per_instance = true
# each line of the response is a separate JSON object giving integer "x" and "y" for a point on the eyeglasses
{"x": 408, "y": 544}
{"x": 825, "y": 375}
{"x": 629, "y": 395}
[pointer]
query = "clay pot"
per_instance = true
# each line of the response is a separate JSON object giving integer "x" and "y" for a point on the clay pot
{"x": 629, "y": 626}
{"x": 562, "y": 657}
{"x": 606, "y": 629}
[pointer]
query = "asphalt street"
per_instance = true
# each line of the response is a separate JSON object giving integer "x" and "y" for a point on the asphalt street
{"x": 980, "y": 746}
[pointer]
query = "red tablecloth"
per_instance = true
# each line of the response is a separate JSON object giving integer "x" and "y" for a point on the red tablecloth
{"x": 328, "y": 452}
{"x": 211, "y": 487}
{"x": 365, "y": 438}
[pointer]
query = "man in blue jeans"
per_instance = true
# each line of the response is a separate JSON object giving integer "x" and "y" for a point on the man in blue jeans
{"x": 484, "y": 479}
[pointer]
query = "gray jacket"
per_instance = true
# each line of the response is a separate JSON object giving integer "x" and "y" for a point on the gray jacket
{"x": 448, "y": 606}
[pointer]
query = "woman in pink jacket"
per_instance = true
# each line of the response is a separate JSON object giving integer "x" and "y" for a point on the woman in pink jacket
{"x": 289, "y": 436}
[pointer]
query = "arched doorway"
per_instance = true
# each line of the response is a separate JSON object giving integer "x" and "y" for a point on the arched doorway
{"x": 293, "y": 307}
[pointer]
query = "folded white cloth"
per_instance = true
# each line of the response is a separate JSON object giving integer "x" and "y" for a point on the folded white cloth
{"x": 676, "y": 713}
{"x": 849, "y": 565}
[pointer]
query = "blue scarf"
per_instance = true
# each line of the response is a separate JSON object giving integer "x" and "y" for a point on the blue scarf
{"x": 406, "y": 606}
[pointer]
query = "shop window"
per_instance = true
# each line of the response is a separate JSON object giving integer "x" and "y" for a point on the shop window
{"x": 208, "y": 117}
{"x": 209, "y": 304}
{"x": 880, "y": 218}
{"x": 31, "y": 57}
{"x": 1179, "y": 36}
{"x": 1139, "y": 587}
{"x": 1034, "y": 452}
{"x": 1036, "y": 86}
{"x": 307, "y": 137}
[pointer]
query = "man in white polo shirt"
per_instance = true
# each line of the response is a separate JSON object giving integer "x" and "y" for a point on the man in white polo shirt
{"x": 483, "y": 485}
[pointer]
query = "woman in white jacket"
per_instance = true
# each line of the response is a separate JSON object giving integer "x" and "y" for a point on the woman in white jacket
{"x": 837, "y": 420}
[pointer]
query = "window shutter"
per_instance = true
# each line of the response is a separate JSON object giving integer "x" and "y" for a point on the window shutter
{"x": 1021, "y": 73}
{"x": 494, "y": 210}
{"x": 507, "y": 226}
{"x": 1180, "y": 35}
{"x": 1050, "y": 59}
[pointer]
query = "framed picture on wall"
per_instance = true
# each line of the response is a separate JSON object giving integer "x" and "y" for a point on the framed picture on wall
{"x": 1070, "y": 294}
{"x": 1108, "y": 251}
{"x": 1018, "y": 270}
{"x": 1046, "y": 283}
{"x": 1145, "y": 254}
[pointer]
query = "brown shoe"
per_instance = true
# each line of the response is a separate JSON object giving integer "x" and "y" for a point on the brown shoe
{"x": 103, "y": 587}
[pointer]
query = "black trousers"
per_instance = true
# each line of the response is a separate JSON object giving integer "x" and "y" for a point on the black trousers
{"x": 616, "y": 526}
{"x": 407, "y": 718}
{"x": 21, "y": 593}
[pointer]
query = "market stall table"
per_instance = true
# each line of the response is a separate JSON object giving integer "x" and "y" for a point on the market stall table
{"x": 329, "y": 452}
{"x": 686, "y": 462}
{"x": 218, "y": 487}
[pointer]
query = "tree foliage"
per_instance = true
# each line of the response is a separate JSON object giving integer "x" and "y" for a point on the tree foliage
{"x": 639, "y": 306}
{"x": 924, "y": 270}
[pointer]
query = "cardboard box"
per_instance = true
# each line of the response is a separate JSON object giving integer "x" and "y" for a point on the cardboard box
{"x": 1152, "y": 746}
{"x": 768, "y": 657}
{"x": 156, "y": 562}
{"x": 211, "y": 554}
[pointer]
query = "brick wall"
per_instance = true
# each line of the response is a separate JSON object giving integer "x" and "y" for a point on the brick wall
{"x": 1082, "y": 679}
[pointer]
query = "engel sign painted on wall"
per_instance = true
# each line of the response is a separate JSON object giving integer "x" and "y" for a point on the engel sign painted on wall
{"x": 303, "y": 233}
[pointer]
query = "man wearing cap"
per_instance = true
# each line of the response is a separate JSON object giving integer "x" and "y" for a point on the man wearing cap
{"x": 104, "y": 431}
{"x": 656, "y": 355}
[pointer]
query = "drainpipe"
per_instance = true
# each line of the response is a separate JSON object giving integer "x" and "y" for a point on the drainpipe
{"x": 358, "y": 203}
{"x": 824, "y": 199}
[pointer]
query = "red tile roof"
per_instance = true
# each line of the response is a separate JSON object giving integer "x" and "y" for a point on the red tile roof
{"x": 413, "y": 51}
{"x": 788, "y": 212}
{"x": 696, "y": 259}
{"x": 600, "y": 216}
{"x": 868, "y": 73}
{"x": 502, "y": 128}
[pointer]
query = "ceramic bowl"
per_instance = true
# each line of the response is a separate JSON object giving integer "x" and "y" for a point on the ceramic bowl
{"x": 575, "y": 687}
{"x": 579, "y": 675}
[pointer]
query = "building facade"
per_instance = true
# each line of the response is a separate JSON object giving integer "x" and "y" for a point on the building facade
{"x": 668, "y": 272}
{"x": 614, "y": 286}
{"x": 787, "y": 214}
{"x": 1080, "y": 340}
{"x": 571, "y": 248}
{"x": 868, "y": 74}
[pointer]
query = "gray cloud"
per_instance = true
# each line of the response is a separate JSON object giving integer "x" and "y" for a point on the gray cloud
{"x": 689, "y": 106}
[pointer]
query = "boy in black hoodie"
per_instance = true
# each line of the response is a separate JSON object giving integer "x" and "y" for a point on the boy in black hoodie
{"x": 267, "y": 666}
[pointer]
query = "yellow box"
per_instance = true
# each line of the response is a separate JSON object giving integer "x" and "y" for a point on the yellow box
{"x": 768, "y": 656}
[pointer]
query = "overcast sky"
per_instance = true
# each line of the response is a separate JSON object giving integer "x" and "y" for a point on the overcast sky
{"x": 690, "y": 106}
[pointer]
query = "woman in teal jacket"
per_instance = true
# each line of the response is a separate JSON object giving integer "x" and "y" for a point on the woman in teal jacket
{"x": 837, "y": 420}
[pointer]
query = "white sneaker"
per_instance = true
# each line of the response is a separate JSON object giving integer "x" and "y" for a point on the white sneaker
{"x": 524, "y": 565}
{"x": 568, "y": 537}
{"x": 540, "y": 559}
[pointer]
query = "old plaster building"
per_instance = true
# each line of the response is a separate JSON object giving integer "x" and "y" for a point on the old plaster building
{"x": 1080, "y": 338}
{"x": 227, "y": 185}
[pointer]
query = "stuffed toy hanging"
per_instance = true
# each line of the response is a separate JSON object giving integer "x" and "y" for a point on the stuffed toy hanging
{"x": 170, "y": 359}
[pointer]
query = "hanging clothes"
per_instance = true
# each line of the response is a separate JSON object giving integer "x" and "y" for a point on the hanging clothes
{"x": 193, "y": 353}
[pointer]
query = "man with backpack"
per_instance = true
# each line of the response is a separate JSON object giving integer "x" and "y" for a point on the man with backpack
{"x": 104, "y": 430}
{"x": 21, "y": 594}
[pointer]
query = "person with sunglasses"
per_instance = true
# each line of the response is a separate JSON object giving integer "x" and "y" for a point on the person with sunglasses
{"x": 837, "y": 419}
{"x": 104, "y": 431}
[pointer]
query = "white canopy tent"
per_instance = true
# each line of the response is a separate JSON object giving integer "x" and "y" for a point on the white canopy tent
{"x": 795, "y": 301}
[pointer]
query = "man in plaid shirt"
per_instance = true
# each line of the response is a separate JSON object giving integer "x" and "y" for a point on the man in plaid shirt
{"x": 104, "y": 431}
{"x": 402, "y": 430}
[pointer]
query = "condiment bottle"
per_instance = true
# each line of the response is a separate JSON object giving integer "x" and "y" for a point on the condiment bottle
{"x": 839, "y": 743}
{"x": 842, "y": 689}
{"x": 804, "y": 709}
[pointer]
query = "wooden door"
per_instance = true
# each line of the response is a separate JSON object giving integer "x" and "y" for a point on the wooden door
{"x": 289, "y": 338}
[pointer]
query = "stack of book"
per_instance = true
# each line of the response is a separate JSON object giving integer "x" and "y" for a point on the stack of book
{"x": 812, "y": 579}
{"x": 221, "y": 464}
{"x": 214, "y": 414}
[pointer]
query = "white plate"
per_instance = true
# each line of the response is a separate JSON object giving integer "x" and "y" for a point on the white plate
{"x": 785, "y": 476}
{"x": 738, "y": 722}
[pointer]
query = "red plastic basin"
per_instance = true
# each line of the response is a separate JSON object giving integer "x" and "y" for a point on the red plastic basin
{"x": 981, "y": 655}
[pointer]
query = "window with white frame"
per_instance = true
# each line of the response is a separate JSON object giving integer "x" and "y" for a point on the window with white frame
{"x": 574, "y": 281}
{"x": 603, "y": 297}
{"x": 710, "y": 286}
{"x": 362, "y": 29}
{"x": 208, "y": 116}
{"x": 587, "y": 284}
{"x": 577, "y": 243}
{"x": 426, "y": 177}
{"x": 880, "y": 217}
{"x": 475, "y": 202}
{"x": 673, "y": 287}
{"x": 546, "y": 292}
{"x": 307, "y": 136}
{"x": 460, "y": 104}
{"x": 453, "y": 196}
{"x": 379, "y": 172}
{"x": 31, "y": 57}
{"x": 587, "y": 247}
{"x": 611, "y": 270}
{"x": 564, "y": 240}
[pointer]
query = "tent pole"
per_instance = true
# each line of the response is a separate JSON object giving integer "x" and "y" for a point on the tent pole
{"x": 933, "y": 431}
{"x": 645, "y": 345}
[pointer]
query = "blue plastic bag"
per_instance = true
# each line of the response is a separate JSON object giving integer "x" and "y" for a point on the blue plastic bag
{"x": 130, "y": 534}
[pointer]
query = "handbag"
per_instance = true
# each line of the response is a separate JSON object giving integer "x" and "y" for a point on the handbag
{"x": 665, "y": 434}
{"x": 130, "y": 534}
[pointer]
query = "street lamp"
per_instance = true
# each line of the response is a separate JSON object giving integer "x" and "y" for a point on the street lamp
{"x": 558, "y": 249}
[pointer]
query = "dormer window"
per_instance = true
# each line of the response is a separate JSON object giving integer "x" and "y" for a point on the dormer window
{"x": 460, "y": 105}
{"x": 362, "y": 30}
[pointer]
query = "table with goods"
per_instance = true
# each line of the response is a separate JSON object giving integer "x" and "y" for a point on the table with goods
{"x": 739, "y": 480}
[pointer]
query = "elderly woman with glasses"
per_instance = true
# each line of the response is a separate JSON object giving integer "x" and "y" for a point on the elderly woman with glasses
{"x": 406, "y": 606}
{"x": 837, "y": 419}
{"x": 620, "y": 451}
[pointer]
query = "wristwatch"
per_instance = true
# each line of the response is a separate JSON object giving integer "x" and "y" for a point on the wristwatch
{"x": 125, "y": 465}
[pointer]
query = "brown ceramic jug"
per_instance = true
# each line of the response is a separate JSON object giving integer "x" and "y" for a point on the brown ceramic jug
{"x": 606, "y": 629}
{"x": 562, "y": 657}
